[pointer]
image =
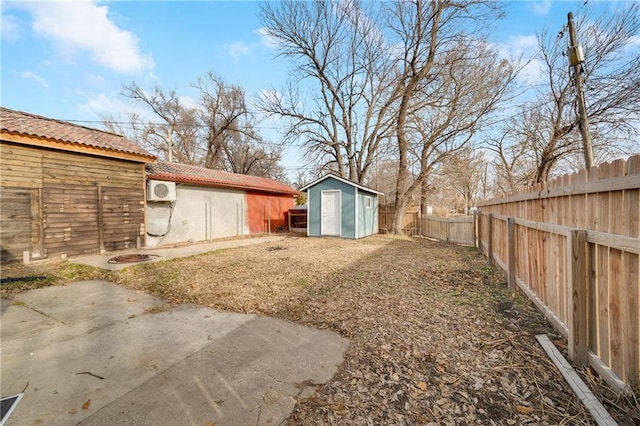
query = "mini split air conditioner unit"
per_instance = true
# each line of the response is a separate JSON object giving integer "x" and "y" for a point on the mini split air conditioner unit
{"x": 161, "y": 191}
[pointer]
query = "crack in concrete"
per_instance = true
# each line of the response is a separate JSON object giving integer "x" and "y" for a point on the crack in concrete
{"x": 46, "y": 315}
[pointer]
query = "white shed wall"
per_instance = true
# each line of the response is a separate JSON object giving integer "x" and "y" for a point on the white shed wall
{"x": 199, "y": 214}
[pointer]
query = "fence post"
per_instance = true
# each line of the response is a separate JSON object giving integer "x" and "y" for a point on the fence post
{"x": 473, "y": 228}
{"x": 479, "y": 232}
{"x": 490, "y": 238}
{"x": 511, "y": 253}
{"x": 577, "y": 280}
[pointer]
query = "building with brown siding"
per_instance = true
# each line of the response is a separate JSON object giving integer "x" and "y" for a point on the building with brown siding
{"x": 68, "y": 189}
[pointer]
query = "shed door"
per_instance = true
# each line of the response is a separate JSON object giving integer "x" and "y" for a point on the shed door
{"x": 330, "y": 206}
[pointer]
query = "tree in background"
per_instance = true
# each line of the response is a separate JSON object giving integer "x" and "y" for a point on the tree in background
{"x": 414, "y": 74}
{"x": 448, "y": 80}
{"x": 218, "y": 133}
{"x": 337, "y": 103}
{"x": 175, "y": 137}
{"x": 465, "y": 172}
{"x": 546, "y": 134}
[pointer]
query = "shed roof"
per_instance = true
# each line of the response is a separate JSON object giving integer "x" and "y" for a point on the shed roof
{"x": 174, "y": 172}
{"x": 68, "y": 136}
{"x": 347, "y": 181}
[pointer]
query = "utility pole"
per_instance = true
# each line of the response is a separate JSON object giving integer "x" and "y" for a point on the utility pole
{"x": 170, "y": 142}
{"x": 576, "y": 58}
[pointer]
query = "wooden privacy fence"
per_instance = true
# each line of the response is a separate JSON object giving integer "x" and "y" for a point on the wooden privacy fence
{"x": 410, "y": 224}
{"x": 573, "y": 246}
{"x": 455, "y": 229}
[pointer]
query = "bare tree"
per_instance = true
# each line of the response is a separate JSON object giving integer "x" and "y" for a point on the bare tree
{"x": 376, "y": 73}
{"x": 612, "y": 80}
{"x": 464, "y": 172}
{"x": 218, "y": 133}
{"x": 514, "y": 163}
{"x": 130, "y": 127}
{"x": 247, "y": 153}
{"x": 175, "y": 135}
{"x": 382, "y": 177}
{"x": 338, "y": 101}
{"x": 223, "y": 108}
{"x": 448, "y": 81}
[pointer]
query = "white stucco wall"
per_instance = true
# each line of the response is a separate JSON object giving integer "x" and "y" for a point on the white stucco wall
{"x": 199, "y": 214}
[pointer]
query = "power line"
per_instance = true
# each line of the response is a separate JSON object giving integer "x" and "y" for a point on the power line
{"x": 150, "y": 123}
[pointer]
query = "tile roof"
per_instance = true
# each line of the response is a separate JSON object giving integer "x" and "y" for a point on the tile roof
{"x": 174, "y": 172}
{"x": 23, "y": 123}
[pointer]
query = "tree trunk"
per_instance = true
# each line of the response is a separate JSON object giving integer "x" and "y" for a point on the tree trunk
{"x": 399, "y": 211}
{"x": 424, "y": 192}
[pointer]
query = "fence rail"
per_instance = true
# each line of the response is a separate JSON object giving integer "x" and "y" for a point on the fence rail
{"x": 455, "y": 229}
{"x": 573, "y": 246}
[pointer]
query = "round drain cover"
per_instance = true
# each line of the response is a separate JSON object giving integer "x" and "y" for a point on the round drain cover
{"x": 132, "y": 258}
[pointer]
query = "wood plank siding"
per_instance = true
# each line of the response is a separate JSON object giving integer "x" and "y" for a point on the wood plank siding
{"x": 56, "y": 202}
{"x": 590, "y": 290}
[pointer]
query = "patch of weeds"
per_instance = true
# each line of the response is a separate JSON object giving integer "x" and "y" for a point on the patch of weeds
{"x": 468, "y": 252}
{"x": 219, "y": 251}
{"x": 294, "y": 312}
{"x": 487, "y": 269}
{"x": 18, "y": 303}
{"x": 320, "y": 291}
{"x": 165, "y": 278}
{"x": 69, "y": 271}
{"x": 370, "y": 242}
{"x": 11, "y": 288}
{"x": 462, "y": 298}
{"x": 301, "y": 282}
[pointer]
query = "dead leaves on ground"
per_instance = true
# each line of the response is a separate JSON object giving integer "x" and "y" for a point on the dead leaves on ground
{"x": 435, "y": 336}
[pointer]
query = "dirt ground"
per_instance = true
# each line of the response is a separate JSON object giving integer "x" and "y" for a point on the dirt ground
{"x": 436, "y": 338}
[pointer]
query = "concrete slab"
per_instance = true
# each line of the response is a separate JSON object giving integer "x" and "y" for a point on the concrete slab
{"x": 253, "y": 375}
{"x": 97, "y": 353}
{"x": 102, "y": 261}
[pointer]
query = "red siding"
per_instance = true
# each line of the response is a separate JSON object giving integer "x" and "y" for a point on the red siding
{"x": 259, "y": 205}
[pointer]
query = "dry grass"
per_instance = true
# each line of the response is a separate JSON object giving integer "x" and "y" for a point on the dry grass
{"x": 435, "y": 336}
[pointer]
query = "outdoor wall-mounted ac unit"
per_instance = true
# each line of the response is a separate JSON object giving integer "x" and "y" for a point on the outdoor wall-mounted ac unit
{"x": 161, "y": 191}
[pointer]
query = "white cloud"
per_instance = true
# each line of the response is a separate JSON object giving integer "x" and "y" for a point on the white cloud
{"x": 85, "y": 26}
{"x": 542, "y": 7}
{"x": 28, "y": 75}
{"x": 521, "y": 50}
{"x": 102, "y": 104}
{"x": 517, "y": 46}
{"x": 533, "y": 72}
{"x": 93, "y": 79}
{"x": 10, "y": 27}
{"x": 189, "y": 102}
{"x": 241, "y": 48}
{"x": 266, "y": 39}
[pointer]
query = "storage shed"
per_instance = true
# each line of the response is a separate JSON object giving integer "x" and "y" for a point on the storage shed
{"x": 198, "y": 204}
{"x": 342, "y": 208}
{"x": 67, "y": 189}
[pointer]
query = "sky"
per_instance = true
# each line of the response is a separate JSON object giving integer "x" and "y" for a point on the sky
{"x": 70, "y": 59}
